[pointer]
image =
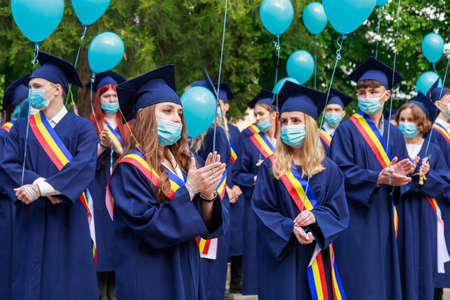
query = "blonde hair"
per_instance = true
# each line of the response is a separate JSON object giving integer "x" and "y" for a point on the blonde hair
{"x": 283, "y": 155}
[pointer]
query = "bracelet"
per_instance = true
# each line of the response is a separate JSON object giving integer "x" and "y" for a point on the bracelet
{"x": 209, "y": 199}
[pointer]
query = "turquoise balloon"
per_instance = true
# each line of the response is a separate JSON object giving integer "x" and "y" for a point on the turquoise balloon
{"x": 37, "y": 19}
{"x": 300, "y": 66}
{"x": 314, "y": 18}
{"x": 89, "y": 11}
{"x": 105, "y": 52}
{"x": 433, "y": 47}
{"x": 199, "y": 109}
{"x": 426, "y": 81}
{"x": 276, "y": 15}
{"x": 381, "y": 2}
{"x": 347, "y": 15}
{"x": 281, "y": 82}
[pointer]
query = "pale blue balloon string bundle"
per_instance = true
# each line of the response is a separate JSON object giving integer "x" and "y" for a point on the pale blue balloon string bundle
{"x": 277, "y": 45}
{"x": 380, "y": 9}
{"x": 440, "y": 96}
{"x": 76, "y": 61}
{"x": 394, "y": 70}
{"x": 219, "y": 78}
{"x": 339, "y": 42}
{"x": 316, "y": 48}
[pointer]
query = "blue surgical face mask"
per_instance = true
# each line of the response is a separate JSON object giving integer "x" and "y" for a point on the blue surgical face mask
{"x": 409, "y": 130}
{"x": 168, "y": 132}
{"x": 37, "y": 99}
{"x": 293, "y": 135}
{"x": 110, "y": 108}
{"x": 370, "y": 105}
{"x": 447, "y": 112}
{"x": 264, "y": 125}
{"x": 333, "y": 119}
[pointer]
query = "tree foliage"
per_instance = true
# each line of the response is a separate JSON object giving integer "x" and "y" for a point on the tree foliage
{"x": 188, "y": 34}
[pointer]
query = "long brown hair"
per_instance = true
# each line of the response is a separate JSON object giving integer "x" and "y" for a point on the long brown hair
{"x": 283, "y": 155}
{"x": 122, "y": 129}
{"x": 144, "y": 137}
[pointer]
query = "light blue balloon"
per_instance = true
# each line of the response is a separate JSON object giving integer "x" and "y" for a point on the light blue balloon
{"x": 281, "y": 82}
{"x": 314, "y": 18}
{"x": 433, "y": 47}
{"x": 37, "y": 19}
{"x": 105, "y": 52}
{"x": 426, "y": 81}
{"x": 276, "y": 15}
{"x": 300, "y": 66}
{"x": 89, "y": 11}
{"x": 347, "y": 15}
{"x": 382, "y": 2}
{"x": 199, "y": 109}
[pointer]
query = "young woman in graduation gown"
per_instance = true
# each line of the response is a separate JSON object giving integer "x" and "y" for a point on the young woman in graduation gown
{"x": 421, "y": 227}
{"x": 297, "y": 232}
{"x": 53, "y": 248}
{"x": 255, "y": 147}
{"x": 162, "y": 202}
{"x": 112, "y": 133}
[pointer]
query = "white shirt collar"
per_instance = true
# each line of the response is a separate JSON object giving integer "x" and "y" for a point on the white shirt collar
{"x": 176, "y": 166}
{"x": 444, "y": 124}
{"x": 58, "y": 117}
{"x": 330, "y": 130}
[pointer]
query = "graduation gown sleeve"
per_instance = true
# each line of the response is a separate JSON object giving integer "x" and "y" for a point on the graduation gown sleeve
{"x": 242, "y": 173}
{"x": 160, "y": 225}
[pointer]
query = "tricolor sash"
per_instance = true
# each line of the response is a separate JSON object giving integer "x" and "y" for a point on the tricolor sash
{"x": 442, "y": 251}
{"x": 8, "y": 125}
{"x": 207, "y": 248}
{"x": 262, "y": 144}
{"x": 326, "y": 138}
{"x": 439, "y": 128}
{"x": 319, "y": 282}
{"x": 60, "y": 156}
{"x": 252, "y": 129}
{"x": 233, "y": 153}
{"x": 373, "y": 138}
{"x": 114, "y": 135}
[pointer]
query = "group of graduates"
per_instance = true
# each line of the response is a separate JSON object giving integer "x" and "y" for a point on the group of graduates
{"x": 125, "y": 205}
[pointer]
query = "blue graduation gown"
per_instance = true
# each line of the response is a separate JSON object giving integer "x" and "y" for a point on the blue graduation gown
{"x": 156, "y": 256}
{"x": 367, "y": 250}
{"x": 104, "y": 231}
{"x": 282, "y": 260}
{"x": 214, "y": 272}
{"x": 417, "y": 229}
{"x": 243, "y": 175}
{"x": 235, "y": 235}
{"x": 443, "y": 280}
{"x": 6, "y": 229}
{"x": 52, "y": 256}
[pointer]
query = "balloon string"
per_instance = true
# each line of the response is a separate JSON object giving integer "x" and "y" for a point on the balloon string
{"x": 440, "y": 95}
{"x": 219, "y": 78}
{"x": 26, "y": 141}
{"x": 315, "y": 61}
{"x": 393, "y": 72}
{"x": 378, "y": 30}
{"x": 36, "y": 53}
{"x": 92, "y": 102}
{"x": 277, "y": 45}
{"x": 434, "y": 67}
{"x": 340, "y": 42}
{"x": 76, "y": 62}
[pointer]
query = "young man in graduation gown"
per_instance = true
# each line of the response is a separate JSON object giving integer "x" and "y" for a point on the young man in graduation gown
{"x": 15, "y": 95}
{"x": 334, "y": 114}
{"x": 372, "y": 166}
{"x": 162, "y": 203}
{"x": 258, "y": 144}
{"x": 295, "y": 255}
{"x": 50, "y": 160}
{"x": 440, "y": 135}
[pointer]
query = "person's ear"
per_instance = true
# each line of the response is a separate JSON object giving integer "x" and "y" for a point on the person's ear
{"x": 387, "y": 95}
{"x": 343, "y": 113}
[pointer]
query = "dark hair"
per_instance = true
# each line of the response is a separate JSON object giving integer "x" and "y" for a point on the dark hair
{"x": 423, "y": 124}
{"x": 368, "y": 83}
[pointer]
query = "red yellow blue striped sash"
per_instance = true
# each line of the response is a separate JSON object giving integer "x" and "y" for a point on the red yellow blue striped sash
{"x": 252, "y": 129}
{"x": 60, "y": 156}
{"x": 325, "y": 137}
{"x": 233, "y": 153}
{"x": 439, "y": 128}
{"x": 316, "y": 272}
{"x": 442, "y": 251}
{"x": 317, "y": 279}
{"x": 114, "y": 135}
{"x": 7, "y": 126}
{"x": 262, "y": 144}
{"x": 373, "y": 138}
